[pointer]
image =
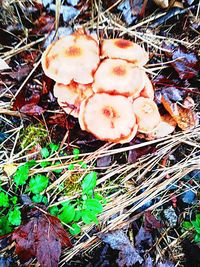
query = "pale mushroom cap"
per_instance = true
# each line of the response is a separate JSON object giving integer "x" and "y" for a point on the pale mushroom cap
{"x": 70, "y": 96}
{"x": 116, "y": 76}
{"x": 108, "y": 118}
{"x": 148, "y": 90}
{"x": 124, "y": 49}
{"x": 74, "y": 57}
{"x": 166, "y": 126}
{"x": 147, "y": 114}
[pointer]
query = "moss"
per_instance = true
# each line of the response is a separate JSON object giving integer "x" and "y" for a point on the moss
{"x": 72, "y": 184}
{"x": 33, "y": 133}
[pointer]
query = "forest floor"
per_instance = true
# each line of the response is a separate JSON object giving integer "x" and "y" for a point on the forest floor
{"x": 144, "y": 206}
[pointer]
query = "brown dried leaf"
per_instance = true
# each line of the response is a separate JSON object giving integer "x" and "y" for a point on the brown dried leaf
{"x": 41, "y": 237}
{"x": 185, "y": 118}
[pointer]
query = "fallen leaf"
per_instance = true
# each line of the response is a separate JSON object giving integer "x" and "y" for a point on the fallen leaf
{"x": 165, "y": 264}
{"x": 44, "y": 24}
{"x": 32, "y": 110}
{"x": 143, "y": 240}
{"x": 59, "y": 119}
{"x": 135, "y": 154}
{"x": 188, "y": 102}
{"x": 185, "y": 118}
{"x": 22, "y": 99}
{"x": 150, "y": 222}
{"x": 19, "y": 74}
{"x": 189, "y": 197}
{"x": 10, "y": 168}
{"x": 170, "y": 92}
{"x": 185, "y": 63}
{"x": 127, "y": 253}
{"x": 104, "y": 161}
{"x": 148, "y": 262}
{"x": 41, "y": 237}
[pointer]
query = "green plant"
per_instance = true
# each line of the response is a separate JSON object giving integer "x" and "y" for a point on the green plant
{"x": 84, "y": 208}
{"x": 10, "y": 214}
{"x": 193, "y": 225}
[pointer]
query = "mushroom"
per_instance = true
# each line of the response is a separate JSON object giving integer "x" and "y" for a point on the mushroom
{"x": 71, "y": 58}
{"x": 148, "y": 90}
{"x": 147, "y": 114}
{"x": 108, "y": 117}
{"x": 70, "y": 96}
{"x": 124, "y": 49}
{"x": 117, "y": 76}
{"x": 166, "y": 126}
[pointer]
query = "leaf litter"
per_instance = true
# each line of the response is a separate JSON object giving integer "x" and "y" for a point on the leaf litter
{"x": 174, "y": 87}
{"x": 42, "y": 236}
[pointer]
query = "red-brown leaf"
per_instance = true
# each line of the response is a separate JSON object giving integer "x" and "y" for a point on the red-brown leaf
{"x": 22, "y": 100}
{"x": 32, "y": 110}
{"x": 41, "y": 237}
{"x": 150, "y": 221}
{"x": 186, "y": 118}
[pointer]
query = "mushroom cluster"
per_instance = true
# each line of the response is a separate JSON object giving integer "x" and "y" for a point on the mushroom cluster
{"x": 104, "y": 86}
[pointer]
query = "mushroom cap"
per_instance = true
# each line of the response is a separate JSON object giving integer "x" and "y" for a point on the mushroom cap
{"x": 124, "y": 49}
{"x": 74, "y": 57}
{"x": 118, "y": 77}
{"x": 166, "y": 126}
{"x": 108, "y": 117}
{"x": 148, "y": 90}
{"x": 70, "y": 96}
{"x": 147, "y": 114}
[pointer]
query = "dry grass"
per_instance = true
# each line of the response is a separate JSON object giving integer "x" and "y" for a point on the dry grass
{"x": 133, "y": 184}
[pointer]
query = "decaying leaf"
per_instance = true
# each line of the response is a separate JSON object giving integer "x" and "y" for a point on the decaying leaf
{"x": 19, "y": 74}
{"x": 128, "y": 256}
{"x": 10, "y": 168}
{"x": 32, "y": 110}
{"x": 185, "y": 118}
{"x": 22, "y": 100}
{"x": 135, "y": 154}
{"x": 41, "y": 237}
{"x": 143, "y": 239}
{"x": 150, "y": 221}
{"x": 185, "y": 63}
{"x": 188, "y": 102}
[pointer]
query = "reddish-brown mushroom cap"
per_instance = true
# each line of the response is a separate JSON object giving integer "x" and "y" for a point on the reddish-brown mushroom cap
{"x": 147, "y": 114}
{"x": 148, "y": 90}
{"x": 70, "y": 96}
{"x": 108, "y": 118}
{"x": 124, "y": 49}
{"x": 118, "y": 77}
{"x": 74, "y": 57}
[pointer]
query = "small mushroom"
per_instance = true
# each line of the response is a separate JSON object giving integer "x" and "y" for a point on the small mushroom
{"x": 166, "y": 126}
{"x": 70, "y": 96}
{"x": 118, "y": 77}
{"x": 147, "y": 114}
{"x": 124, "y": 49}
{"x": 148, "y": 90}
{"x": 108, "y": 117}
{"x": 71, "y": 58}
